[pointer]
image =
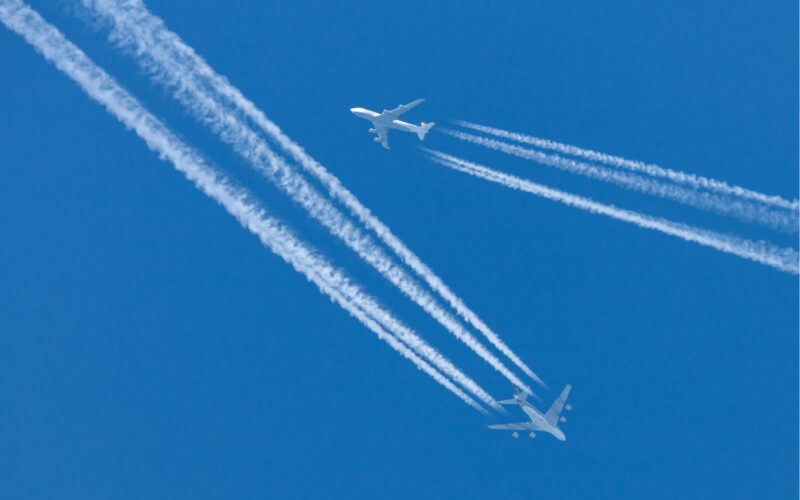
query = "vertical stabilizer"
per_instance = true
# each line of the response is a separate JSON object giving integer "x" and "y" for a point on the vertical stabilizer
{"x": 519, "y": 395}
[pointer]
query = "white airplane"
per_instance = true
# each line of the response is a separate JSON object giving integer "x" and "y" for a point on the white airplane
{"x": 382, "y": 122}
{"x": 545, "y": 423}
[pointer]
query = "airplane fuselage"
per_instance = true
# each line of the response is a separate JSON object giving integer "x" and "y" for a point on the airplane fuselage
{"x": 383, "y": 122}
{"x": 538, "y": 419}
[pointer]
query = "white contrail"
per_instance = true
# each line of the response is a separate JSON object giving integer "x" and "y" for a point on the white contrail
{"x": 637, "y": 166}
{"x": 131, "y": 27}
{"x": 47, "y": 40}
{"x": 724, "y": 205}
{"x": 784, "y": 259}
{"x": 137, "y": 27}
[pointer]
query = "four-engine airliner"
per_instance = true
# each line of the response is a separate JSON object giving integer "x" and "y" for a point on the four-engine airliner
{"x": 545, "y": 423}
{"x": 382, "y": 122}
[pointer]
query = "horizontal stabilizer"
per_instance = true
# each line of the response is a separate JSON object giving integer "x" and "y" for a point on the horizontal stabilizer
{"x": 423, "y": 129}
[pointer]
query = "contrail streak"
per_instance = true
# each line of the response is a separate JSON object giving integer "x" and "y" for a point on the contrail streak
{"x": 637, "y": 166}
{"x": 724, "y": 205}
{"x": 133, "y": 27}
{"x": 47, "y": 40}
{"x": 784, "y": 259}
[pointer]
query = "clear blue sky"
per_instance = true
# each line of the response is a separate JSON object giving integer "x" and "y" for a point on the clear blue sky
{"x": 151, "y": 347}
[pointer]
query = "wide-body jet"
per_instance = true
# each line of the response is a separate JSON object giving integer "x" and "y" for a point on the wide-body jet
{"x": 547, "y": 422}
{"x": 382, "y": 122}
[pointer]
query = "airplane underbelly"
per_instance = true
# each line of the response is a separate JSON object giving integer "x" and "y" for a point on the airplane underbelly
{"x": 535, "y": 417}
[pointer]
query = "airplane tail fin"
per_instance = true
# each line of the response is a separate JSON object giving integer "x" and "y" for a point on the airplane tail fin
{"x": 553, "y": 414}
{"x": 519, "y": 395}
{"x": 423, "y": 129}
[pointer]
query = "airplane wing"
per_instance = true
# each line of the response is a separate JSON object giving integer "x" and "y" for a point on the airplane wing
{"x": 554, "y": 412}
{"x": 399, "y": 110}
{"x": 522, "y": 426}
{"x": 383, "y": 135}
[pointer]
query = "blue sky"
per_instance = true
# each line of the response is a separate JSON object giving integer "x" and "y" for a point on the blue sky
{"x": 151, "y": 347}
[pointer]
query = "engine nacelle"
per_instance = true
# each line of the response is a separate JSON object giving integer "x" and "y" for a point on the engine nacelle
{"x": 568, "y": 407}
{"x": 377, "y": 139}
{"x": 515, "y": 434}
{"x": 532, "y": 435}
{"x": 563, "y": 419}
{"x": 373, "y": 131}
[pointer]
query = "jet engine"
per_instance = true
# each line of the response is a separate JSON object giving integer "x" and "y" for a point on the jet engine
{"x": 532, "y": 435}
{"x": 377, "y": 139}
{"x": 563, "y": 419}
{"x": 515, "y": 434}
{"x": 373, "y": 131}
{"x": 567, "y": 407}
